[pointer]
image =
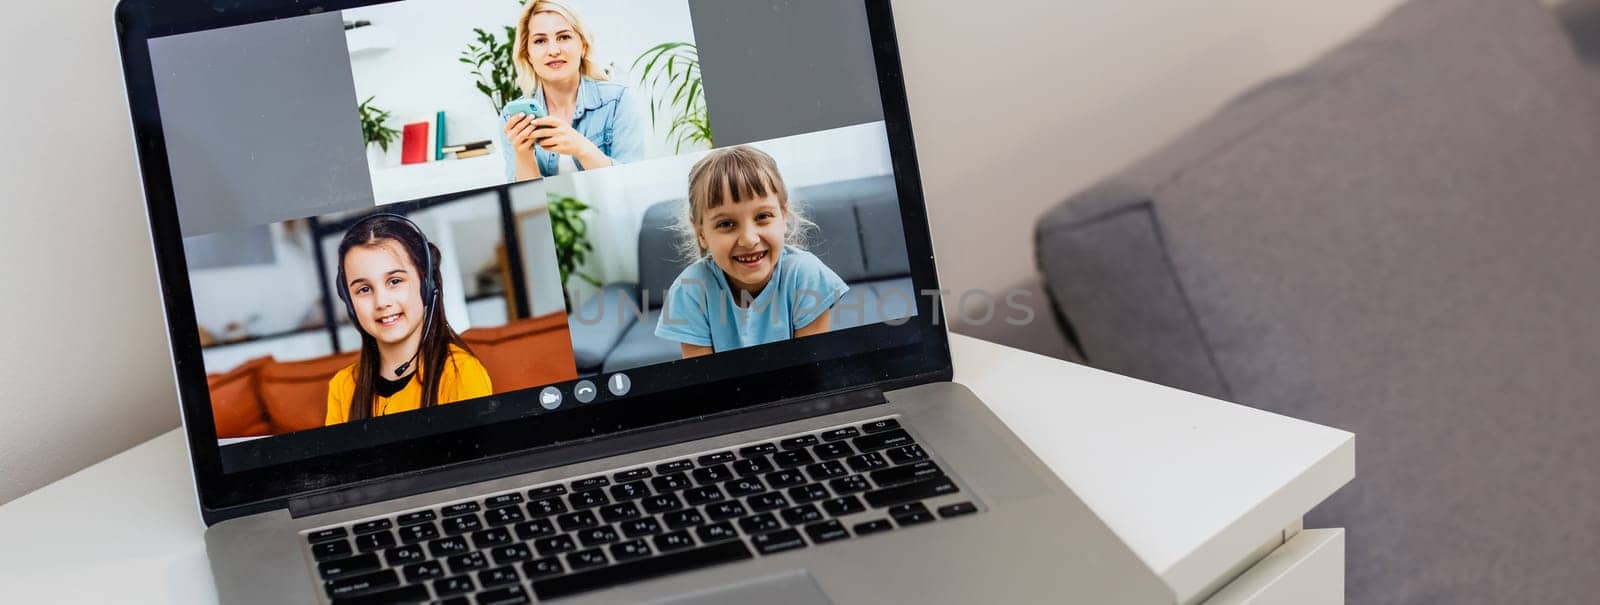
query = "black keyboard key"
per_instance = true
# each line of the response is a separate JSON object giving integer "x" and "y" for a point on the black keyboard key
{"x": 839, "y": 507}
{"x": 547, "y": 507}
{"x": 808, "y": 493}
{"x": 629, "y": 491}
{"x": 339, "y": 568}
{"x": 661, "y": 503}
{"x": 799, "y": 442}
{"x": 793, "y": 458}
{"x": 867, "y": 462}
{"x": 914, "y": 518}
{"x": 920, "y": 490}
{"x": 620, "y": 512}
{"x": 540, "y": 568}
{"x": 331, "y": 550}
{"x": 826, "y": 531}
{"x": 872, "y": 527}
{"x": 878, "y": 441}
{"x": 582, "y": 519}
{"x": 405, "y": 555}
{"x": 631, "y": 571}
{"x": 367, "y": 527}
{"x": 716, "y": 532}
{"x": 676, "y": 466}
{"x": 492, "y": 537}
{"x": 760, "y": 524}
{"x": 739, "y": 488}
{"x": 683, "y": 518}
{"x": 823, "y": 471}
{"x": 880, "y": 425}
{"x": 957, "y": 509}
{"x": 497, "y": 576}
{"x": 588, "y": 499}
{"x": 416, "y": 517}
{"x": 375, "y": 541}
{"x": 471, "y": 561}
{"x": 785, "y": 478}
{"x": 829, "y": 451}
{"x": 459, "y": 509}
{"x": 766, "y": 501}
{"x": 554, "y": 545}
{"x": 461, "y": 524}
{"x": 906, "y": 474}
{"x": 631, "y": 475}
{"x": 365, "y": 583}
{"x": 502, "y": 500}
{"x": 677, "y": 540}
{"x": 904, "y": 454}
{"x": 703, "y": 495}
{"x": 412, "y": 534}
{"x": 590, "y": 483}
{"x": 670, "y": 483}
{"x": 507, "y": 595}
{"x": 324, "y": 535}
{"x": 510, "y": 553}
{"x": 716, "y": 473}
{"x": 849, "y": 485}
{"x": 585, "y": 559}
{"x": 444, "y": 547}
{"x": 630, "y": 550}
{"x": 640, "y": 527}
{"x": 426, "y": 570}
{"x": 778, "y": 541}
{"x": 907, "y": 509}
{"x": 752, "y": 466}
{"x": 456, "y": 585}
{"x": 725, "y": 510}
{"x": 760, "y": 449}
{"x": 456, "y": 600}
{"x": 801, "y": 515}
{"x": 505, "y": 515}
{"x": 548, "y": 491}
{"x": 596, "y": 536}
{"x": 717, "y": 458}
{"x": 535, "y": 528}
{"x": 837, "y": 434}
{"x": 404, "y": 594}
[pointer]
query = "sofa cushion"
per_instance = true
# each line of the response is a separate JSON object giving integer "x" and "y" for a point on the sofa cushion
{"x": 641, "y": 347}
{"x": 236, "y": 408}
{"x": 526, "y": 353}
{"x": 837, "y": 238}
{"x": 599, "y": 323}
{"x": 883, "y": 238}
{"x": 660, "y": 261}
{"x": 295, "y": 394}
{"x": 1399, "y": 240}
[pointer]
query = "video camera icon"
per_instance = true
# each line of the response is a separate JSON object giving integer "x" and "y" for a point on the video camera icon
{"x": 550, "y": 398}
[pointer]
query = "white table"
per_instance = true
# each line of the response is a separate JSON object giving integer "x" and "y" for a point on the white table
{"x": 1208, "y": 493}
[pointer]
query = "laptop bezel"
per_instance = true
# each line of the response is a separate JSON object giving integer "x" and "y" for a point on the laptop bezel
{"x": 810, "y": 372}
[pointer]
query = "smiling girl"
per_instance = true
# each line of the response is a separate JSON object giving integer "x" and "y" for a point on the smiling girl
{"x": 590, "y": 123}
{"x": 752, "y": 282}
{"x": 410, "y": 357}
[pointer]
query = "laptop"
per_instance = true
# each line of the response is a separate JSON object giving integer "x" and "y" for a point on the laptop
{"x": 577, "y": 301}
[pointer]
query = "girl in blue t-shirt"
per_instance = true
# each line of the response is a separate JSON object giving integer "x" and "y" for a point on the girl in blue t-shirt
{"x": 752, "y": 281}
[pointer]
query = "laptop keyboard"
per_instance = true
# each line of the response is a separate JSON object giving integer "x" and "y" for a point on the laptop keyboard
{"x": 566, "y": 538}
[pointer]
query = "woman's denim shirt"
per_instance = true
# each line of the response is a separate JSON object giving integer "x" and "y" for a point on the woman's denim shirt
{"x": 609, "y": 114}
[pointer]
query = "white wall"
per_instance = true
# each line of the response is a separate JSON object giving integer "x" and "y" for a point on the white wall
{"x": 1104, "y": 81}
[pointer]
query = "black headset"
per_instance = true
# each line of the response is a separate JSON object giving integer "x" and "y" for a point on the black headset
{"x": 430, "y": 290}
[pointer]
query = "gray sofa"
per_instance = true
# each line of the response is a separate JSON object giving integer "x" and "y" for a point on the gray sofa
{"x": 1401, "y": 240}
{"x": 858, "y": 234}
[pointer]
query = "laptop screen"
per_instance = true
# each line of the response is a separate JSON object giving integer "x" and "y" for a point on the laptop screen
{"x": 420, "y": 216}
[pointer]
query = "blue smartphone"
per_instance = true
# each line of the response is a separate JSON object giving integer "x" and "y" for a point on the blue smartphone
{"x": 526, "y": 106}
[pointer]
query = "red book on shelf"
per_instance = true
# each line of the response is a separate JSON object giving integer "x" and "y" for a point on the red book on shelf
{"x": 415, "y": 148}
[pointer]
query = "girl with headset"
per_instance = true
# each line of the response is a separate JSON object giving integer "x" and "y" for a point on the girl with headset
{"x": 410, "y": 357}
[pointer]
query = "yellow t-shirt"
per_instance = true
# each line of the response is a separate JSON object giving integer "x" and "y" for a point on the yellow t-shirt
{"x": 464, "y": 378}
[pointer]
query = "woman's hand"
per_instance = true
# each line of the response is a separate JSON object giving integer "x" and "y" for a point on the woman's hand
{"x": 557, "y": 136}
{"x": 519, "y": 131}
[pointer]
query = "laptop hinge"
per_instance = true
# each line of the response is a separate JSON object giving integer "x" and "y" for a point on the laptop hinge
{"x": 398, "y": 486}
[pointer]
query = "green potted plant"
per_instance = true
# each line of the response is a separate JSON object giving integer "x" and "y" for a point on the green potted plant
{"x": 671, "y": 71}
{"x": 374, "y": 131}
{"x": 490, "y": 58}
{"x": 572, "y": 240}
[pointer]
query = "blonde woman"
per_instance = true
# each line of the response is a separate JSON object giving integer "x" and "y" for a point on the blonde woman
{"x": 588, "y": 121}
